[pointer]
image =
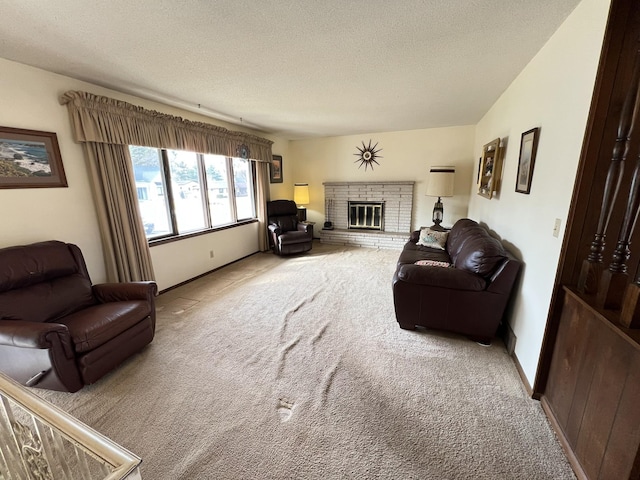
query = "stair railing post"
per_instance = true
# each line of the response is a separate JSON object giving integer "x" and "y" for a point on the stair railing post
{"x": 592, "y": 266}
{"x": 615, "y": 279}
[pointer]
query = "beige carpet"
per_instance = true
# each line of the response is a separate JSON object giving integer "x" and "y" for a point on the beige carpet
{"x": 295, "y": 368}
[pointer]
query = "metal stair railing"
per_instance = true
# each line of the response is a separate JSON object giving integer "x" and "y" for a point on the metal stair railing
{"x": 38, "y": 441}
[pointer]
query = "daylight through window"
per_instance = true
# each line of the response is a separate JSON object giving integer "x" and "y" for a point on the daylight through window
{"x": 183, "y": 192}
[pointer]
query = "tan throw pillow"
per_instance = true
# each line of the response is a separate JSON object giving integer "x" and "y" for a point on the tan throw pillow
{"x": 433, "y": 263}
{"x": 432, "y": 238}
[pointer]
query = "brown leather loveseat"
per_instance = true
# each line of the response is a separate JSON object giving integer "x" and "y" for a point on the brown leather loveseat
{"x": 469, "y": 296}
{"x": 57, "y": 330}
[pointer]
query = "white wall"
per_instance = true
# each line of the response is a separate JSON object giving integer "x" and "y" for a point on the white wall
{"x": 284, "y": 189}
{"x": 29, "y": 99}
{"x": 405, "y": 156}
{"x": 553, "y": 92}
{"x": 177, "y": 262}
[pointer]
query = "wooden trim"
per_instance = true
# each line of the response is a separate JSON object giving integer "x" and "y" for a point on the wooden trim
{"x": 610, "y": 319}
{"x": 523, "y": 377}
{"x": 209, "y": 272}
{"x": 184, "y": 236}
{"x": 205, "y": 274}
{"x": 573, "y": 460}
{"x": 610, "y": 66}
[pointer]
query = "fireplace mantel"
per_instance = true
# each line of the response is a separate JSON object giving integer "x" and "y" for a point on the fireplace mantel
{"x": 326, "y": 184}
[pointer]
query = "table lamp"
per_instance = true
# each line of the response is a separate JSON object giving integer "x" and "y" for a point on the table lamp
{"x": 301, "y": 197}
{"x": 440, "y": 184}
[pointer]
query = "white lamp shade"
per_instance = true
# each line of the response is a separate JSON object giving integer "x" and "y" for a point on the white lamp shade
{"x": 301, "y": 193}
{"x": 440, "y": 182}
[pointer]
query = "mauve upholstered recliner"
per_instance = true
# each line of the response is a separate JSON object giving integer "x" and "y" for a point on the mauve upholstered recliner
{"x": 57, "y": 330}
{"x": 287, "y": 234}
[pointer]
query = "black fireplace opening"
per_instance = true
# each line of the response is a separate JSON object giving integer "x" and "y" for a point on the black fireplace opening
{"x": 366, "y": 215}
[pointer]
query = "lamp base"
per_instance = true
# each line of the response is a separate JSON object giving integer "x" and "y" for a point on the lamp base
{"x": 438, "y": 213}
{"x": 302, "y": 214}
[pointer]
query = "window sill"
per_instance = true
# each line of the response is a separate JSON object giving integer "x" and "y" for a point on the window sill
{"x": 176, "y": 238}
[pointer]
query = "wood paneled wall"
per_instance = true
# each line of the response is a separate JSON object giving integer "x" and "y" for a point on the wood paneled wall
{"x": 588, "y": 376}
{"x": 593, "y": 391}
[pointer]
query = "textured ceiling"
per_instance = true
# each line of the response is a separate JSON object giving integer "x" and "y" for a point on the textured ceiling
{"x": 296, "y": 68}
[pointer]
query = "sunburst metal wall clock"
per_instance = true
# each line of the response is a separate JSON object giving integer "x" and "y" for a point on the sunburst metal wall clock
{"x": 368, "y": 155}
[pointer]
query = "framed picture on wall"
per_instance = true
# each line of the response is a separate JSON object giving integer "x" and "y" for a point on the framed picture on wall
{"x": 30, "y": 158}
{"x": 526, "y": 160}
{"x": 275, "y": 169}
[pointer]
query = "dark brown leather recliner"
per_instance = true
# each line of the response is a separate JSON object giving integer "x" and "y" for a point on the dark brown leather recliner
{"x": 57, "y": 330}
{"x": 287, "y": 234}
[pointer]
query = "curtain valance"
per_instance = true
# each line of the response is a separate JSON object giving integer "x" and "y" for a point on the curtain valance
{"x": 105, "y": 120}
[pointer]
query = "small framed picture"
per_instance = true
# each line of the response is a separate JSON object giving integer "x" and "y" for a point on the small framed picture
{"x": 30, "y": 158}
{"x": 526, "y": 161}
{"x": 275, "y": 169}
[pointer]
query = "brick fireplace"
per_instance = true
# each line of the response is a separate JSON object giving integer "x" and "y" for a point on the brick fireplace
{"x": 395, "y": 199}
